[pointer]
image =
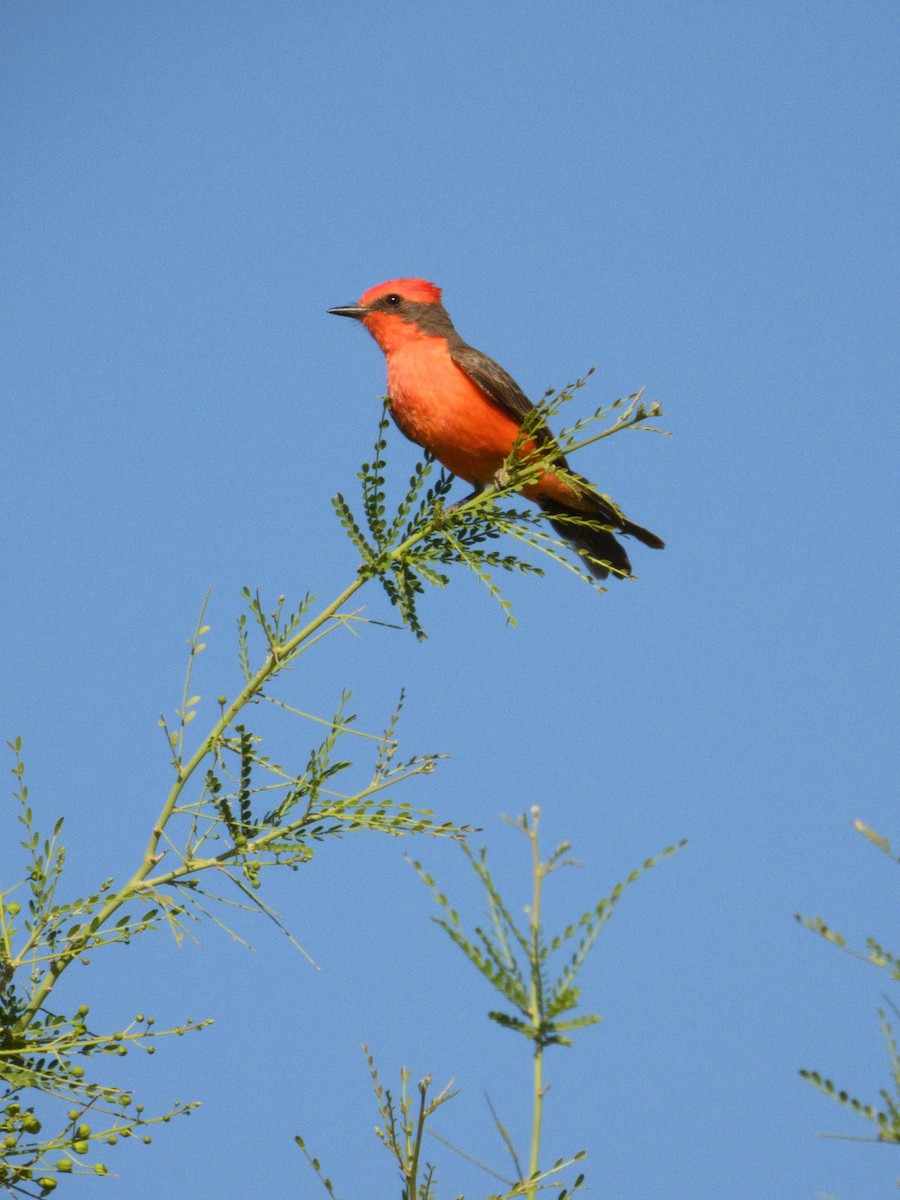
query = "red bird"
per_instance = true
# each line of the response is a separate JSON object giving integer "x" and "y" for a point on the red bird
{"x": 467, "y": 411}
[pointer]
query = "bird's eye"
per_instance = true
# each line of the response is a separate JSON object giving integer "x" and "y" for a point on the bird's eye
{"x": 393, "y": 300}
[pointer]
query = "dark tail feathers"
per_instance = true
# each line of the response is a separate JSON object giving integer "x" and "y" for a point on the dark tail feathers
{"x": 601, "y": 551}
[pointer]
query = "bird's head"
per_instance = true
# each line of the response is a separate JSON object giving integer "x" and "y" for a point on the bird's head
{"x": 400, "y": 311}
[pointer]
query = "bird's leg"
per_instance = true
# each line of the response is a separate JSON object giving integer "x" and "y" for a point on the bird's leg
{"x": 499, "y": 481}
{"x": 465, "y": 500}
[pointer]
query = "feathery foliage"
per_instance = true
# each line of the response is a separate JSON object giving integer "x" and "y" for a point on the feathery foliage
{"x": 231, "y": 813}
{"x": 425, "y": 537}
{"x": 884, "y": 1116}
{"x": 515, "y": 959}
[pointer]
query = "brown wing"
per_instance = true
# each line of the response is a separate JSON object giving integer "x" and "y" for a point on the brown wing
{"x": 600, "y": 544}
{"x": 496, "y": 383}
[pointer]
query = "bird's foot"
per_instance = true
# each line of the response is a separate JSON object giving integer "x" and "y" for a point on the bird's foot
{"x": 452, "y": 508}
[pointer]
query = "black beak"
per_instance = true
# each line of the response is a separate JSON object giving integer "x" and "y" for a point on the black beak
{"x": 350, "y": 310}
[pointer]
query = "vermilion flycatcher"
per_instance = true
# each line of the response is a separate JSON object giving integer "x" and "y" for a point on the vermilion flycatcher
{"x": 464, "y": 408}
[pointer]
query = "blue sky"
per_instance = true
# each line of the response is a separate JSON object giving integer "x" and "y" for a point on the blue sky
{"x": 696, "y": 198}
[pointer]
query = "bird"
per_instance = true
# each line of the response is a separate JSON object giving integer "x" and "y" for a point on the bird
{"x": 467, "y": 411}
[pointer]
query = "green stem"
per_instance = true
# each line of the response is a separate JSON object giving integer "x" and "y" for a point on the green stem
{"x": 277, "y": 660}
{"x": 413, "y": 1169}
{"x": 195, "y": 865}
{"x": 628, "y": 421}
{"x": 280, "y": 656}
{"x": 536, "y": 1006}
